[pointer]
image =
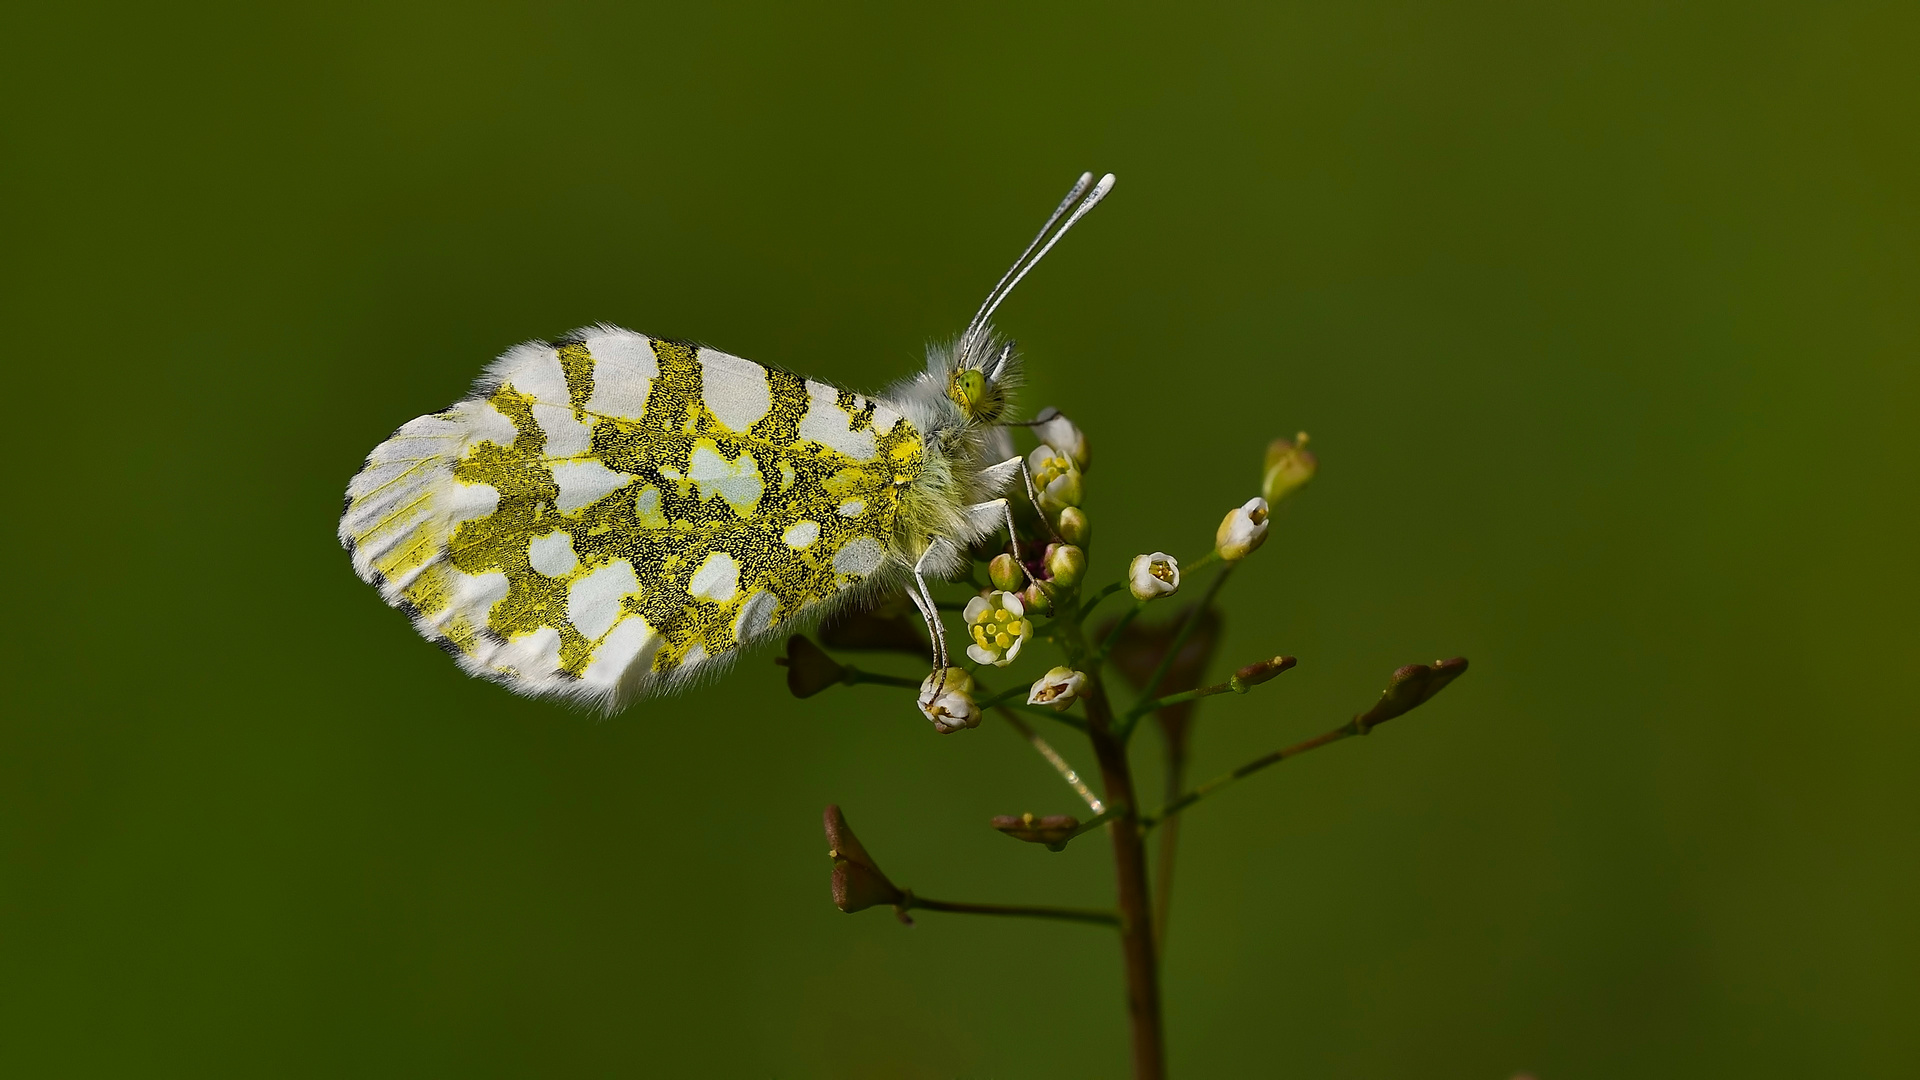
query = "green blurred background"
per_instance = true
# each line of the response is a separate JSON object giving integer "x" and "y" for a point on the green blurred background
{"x": 1602, "y": 316}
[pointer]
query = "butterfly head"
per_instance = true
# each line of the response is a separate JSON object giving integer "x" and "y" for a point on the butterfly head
{"x": 979, "y": 387}
{"x": 980, "y": 369}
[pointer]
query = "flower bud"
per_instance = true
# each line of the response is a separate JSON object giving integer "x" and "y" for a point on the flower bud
{"x": 1051, "y": 829}
{"x": 1056, "y": 477}
{"x": 1057, "y": 689}
{"x": 1065, "y": 564}
{"x": 947, "y": 699}
{"x": 1289, "y": 466}
{"x": 858, "y": 883}
{"x": 998, "y": 625}
{"x": 1074, "y": 527}
{"x": 1153, "y": 576}
{"x": 809, "y": 670}
{"x": 1037, "y": 599}
{"x": 1005, "y": 573}
{"x": 1061, "y": 433}
{"x": 1242, "y": 530}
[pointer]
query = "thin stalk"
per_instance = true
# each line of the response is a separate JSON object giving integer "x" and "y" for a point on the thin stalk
{"x": 1094, "y": 600}
{"x": 1186, "y": 696}
{"x": 1345, "y": 731}
{"x": 1053, "y": 757}
{"x": 1030, "y": 911}
{"x": 1187, "y": 627}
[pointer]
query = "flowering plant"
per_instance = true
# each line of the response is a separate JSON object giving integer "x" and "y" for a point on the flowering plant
{"x": 1043, "y": 602}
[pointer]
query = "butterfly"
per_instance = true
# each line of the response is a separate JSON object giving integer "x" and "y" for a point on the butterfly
{"x": 610, "y": 515}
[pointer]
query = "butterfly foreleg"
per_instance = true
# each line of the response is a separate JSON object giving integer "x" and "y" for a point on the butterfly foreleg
{"x": 922, "y": 597}
{"x": 995, "y": 475}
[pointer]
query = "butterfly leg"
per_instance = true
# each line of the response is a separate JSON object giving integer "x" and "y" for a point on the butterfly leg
{"x": 997, "y": 475}
{"x": 922, "y": 598}
{"x": 1002, "y": 509}
{"x": 1033, "y": 496}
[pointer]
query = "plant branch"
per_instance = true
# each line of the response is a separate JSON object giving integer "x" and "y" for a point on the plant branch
{"x": 1345, "y": 731}
{"x": 1187, "y": 627}
{"x": 1407, "y": 689}
{"x": 910, "y": 902}
{"x": 1241, "y": 681}
{"x": 1094, "y": 600}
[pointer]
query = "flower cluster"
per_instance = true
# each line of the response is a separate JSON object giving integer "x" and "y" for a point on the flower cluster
{"x": 1042, "y": 577}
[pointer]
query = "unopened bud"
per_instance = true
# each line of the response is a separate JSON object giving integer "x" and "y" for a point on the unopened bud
{"x": 946, "y": 698}
{"x": 1005, "y": 573}
{"x": 1056, "y": 477}
{"x": 1289, "y": 466}
{"x": 1255, "y": 674}
{"x": 858, "y": 883}
{"x": 1153, "y": 576}
{"x": 1051, "y": 829}
{"x": 1242, "y": 530}
{"x": 1037, "y": 599}
{"x": 809, "y": 670}
{"x": 1062, "y": 434}
{"x": 1065, "y": 564}
{"x": 1411, "y": 687}
{"x": 1074, "y": 527}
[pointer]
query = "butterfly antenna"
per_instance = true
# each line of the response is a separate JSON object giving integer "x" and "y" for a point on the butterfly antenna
{"x": 1079, "y": 188}
{"x": 1023, "y": 264}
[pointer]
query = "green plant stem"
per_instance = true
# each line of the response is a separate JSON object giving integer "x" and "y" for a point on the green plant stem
{"x": 1094, "y": 600}
{"x": 1187, "y": 695}
{"x": 1345, "y": 731}
{"x": 1187, "y": 626}
{"x": 1030, "y": 911}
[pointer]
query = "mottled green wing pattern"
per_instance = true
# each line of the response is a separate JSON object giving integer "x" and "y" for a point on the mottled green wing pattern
{"x": 612, "y": 513}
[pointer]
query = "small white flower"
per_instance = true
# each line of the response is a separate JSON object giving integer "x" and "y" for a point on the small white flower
{"x": 1153, "y": 576}
{"x": 1059, "y": 432}
{"x": 1243, "y": 529}
{"x": 1057, "y": 688}
{"x": 1057, "y": 477}
{"x": 947, "y": 699}
{"x": 998, "y": 625}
